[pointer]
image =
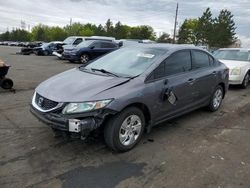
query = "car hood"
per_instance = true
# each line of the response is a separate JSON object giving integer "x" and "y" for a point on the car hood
{"x": 77, "y": 86}
{"x": 232, "y": 63}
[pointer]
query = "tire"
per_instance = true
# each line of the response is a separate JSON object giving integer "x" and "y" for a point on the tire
{"x": 6, "y": 83}
{"x": 45, "y": 53}
{"x": 245, "y": 81}
{"x": 114, "y": 132}
{"x": 216, "y": 99}
{"x": 84, "y": 58}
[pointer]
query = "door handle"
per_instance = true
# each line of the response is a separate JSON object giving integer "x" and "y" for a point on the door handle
{"x": 191, "y": 81}
{"x": 214, "y": 73}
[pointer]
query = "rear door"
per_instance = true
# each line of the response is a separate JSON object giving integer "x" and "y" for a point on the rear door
{"x": 173, "y": 81}
{"x": 205, "y": 76}
{"x": 107, "y": 47}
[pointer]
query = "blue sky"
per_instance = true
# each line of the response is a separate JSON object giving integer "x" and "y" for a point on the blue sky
{"x": 157, "y": 13}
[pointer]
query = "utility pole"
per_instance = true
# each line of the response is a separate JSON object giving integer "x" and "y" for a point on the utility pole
{"x": 175, "y": 22}
{"x": 70, "y": 22}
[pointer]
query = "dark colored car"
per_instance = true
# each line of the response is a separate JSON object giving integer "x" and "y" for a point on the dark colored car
{"x": 48, "y": 48}
{"x": 29, "y": 46}
{"x": 88, "y": 50}
{"x": 131, "y": 90}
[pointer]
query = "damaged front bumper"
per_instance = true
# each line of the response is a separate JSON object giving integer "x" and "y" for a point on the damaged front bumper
{"x": 79, "y": 123}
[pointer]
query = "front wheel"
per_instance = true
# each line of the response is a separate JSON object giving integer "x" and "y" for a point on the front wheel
{"x": 245, "y": 81}
{"x": 45, "y": 53}
{"x": 123, "y": 131}
{"x": 216, "y": 99}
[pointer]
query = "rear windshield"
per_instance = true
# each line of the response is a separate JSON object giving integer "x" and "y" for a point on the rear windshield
{"x": 127, "y": 61}
{"x": 237, "y": 55}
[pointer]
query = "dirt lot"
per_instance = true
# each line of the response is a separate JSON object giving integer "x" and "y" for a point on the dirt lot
{"x": 201, "y": 149}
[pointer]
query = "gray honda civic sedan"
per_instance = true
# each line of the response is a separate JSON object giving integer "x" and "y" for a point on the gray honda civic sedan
{"x": 127, "y": 92}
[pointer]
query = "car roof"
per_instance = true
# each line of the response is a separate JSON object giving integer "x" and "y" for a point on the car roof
{"x": 168, "y": 47}
{"x": 56, "y": 42}
{"x": 243, "y": 49}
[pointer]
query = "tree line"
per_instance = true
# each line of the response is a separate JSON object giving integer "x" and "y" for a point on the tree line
{"x": 205, "y": 30}
{"x": 46, "y": 33}
{"x": 215, "y": 32}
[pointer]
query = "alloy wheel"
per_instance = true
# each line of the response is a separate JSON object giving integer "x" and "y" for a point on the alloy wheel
{"x": 84, "y": 58}
{"x": 130, "y": 130}
{"x": 218, "y": 95}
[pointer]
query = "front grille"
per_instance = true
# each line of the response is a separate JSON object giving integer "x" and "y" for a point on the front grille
{"x": 45, "y": 103}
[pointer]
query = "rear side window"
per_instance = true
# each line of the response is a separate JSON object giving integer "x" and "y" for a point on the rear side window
{"x": 97, "y": 45}
{"x": 199, "y": 59}
{"x": 107, "y": 45}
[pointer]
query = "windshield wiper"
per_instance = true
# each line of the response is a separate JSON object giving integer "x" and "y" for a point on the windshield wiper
{"x": 105, "y": 72}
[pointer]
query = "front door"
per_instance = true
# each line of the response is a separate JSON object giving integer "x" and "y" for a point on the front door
{"x": 174, "y": 85}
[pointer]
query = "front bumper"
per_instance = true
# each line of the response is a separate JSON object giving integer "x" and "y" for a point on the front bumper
{"x": 80, "y": 123}
{"x": 58, "y": 55}
{"x": 70, "y": 57}
{"x": 236, "y": 79}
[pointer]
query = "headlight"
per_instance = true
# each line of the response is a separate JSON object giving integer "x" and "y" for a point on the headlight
{"x": 85, "y": 106}
{"x": 236, "y": 71}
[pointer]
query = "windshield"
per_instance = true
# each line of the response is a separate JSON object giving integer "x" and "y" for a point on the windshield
{"x": 69, "y": 40}
{"x": 45, "y": 45}
{"x": 128, "y": 62}
{"x": 237, "y": 55}
{"x": 84, "y": 44}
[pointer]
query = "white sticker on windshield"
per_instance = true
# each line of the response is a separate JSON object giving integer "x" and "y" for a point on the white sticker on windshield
{"x": 150, "y": 56}
{"x": 244, "y": 50}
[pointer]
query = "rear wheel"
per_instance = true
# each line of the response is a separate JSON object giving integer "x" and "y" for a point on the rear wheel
{"x": 123, "y": 131}
{"x": 84, "y": 58}
{"x": 216, "y": 99}
{"x": 245, "y": 81}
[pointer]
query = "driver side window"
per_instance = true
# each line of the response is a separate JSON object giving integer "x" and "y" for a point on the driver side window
{"x": 176, "y": 63}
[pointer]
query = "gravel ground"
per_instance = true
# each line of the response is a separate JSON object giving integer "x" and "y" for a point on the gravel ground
{"x": 200, "y": 149}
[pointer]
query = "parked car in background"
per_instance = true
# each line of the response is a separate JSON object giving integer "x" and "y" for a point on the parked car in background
{"x": 73, "y": 41}
{"x": 48, "y": 48}
{"x": 131, "y": 90}
{"x": 88, "y": 50}
{"x": 238, "y": 61}
{"x": 29, "y": 46}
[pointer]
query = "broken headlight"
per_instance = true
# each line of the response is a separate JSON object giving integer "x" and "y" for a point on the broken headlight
{"x": 72, "y": 108}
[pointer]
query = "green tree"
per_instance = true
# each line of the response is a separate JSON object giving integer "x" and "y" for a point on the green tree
{"x": 205, "y": 30}
{"x": 121, "y": 31}
{"x": 164, "y": 38}
{"x": 109, "y": 28}
{"x": 142, "y": 32}
{"x": 188, "y": 32}
{"x": 40, "y": 33}
{"x": 5, "y": 36}
{"x": 224, "y": 30}
{"x": 57, "y": 34}
{"x": 100, "y": 31}
{"x": 74, "y": 29}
